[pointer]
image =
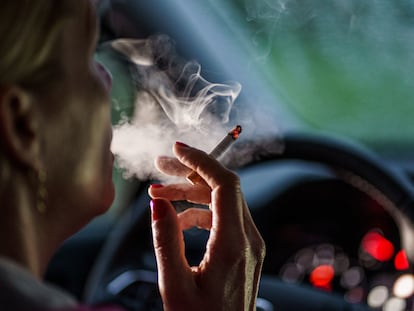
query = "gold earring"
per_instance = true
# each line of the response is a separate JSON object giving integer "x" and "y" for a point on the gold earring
{"x": 41, "y": 191}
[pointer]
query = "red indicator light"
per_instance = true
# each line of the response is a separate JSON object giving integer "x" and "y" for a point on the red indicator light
{"x": 322, "y": 276}
{"x": 401, "y": 261}
{"x": 377, "y": 246}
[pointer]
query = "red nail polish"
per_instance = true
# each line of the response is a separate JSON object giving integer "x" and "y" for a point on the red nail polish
{"x": 156, "y": 186}
{"x": 158, "y": 209}
{"x": 181, "y": 144}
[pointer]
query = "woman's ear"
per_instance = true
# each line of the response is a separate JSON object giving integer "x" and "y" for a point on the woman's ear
{"x": 19, "y": 126}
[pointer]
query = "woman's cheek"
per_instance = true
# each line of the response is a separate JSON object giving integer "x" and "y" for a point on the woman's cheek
{"x": 105, "y": 75}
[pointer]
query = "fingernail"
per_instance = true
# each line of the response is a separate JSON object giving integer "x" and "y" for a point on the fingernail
{"x": 181, "y": 144}
{"x": 156, "y": 186}
{"x": 158, "y": 209}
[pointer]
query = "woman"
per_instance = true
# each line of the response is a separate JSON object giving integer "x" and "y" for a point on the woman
{"x": 56, "y": 165}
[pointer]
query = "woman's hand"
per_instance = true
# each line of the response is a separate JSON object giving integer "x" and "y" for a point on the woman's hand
{"x": 227, "y": 277}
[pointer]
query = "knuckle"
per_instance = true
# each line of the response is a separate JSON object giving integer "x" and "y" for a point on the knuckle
{"x": 259, "y": 246}
{"x": 260, "y": 250}
{"x": 244, "y": 253}
{"x": 237, "y": 254}
{"x": 230, "y": 179}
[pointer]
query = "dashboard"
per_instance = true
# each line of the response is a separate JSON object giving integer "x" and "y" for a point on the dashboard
{"x": 328, "y": 237}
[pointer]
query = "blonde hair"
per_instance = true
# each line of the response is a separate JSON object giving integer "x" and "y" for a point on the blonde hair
{"x": 29, "y": 32}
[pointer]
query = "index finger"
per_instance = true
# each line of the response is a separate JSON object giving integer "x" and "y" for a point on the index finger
{"x": 227, "y": 202}
{"x": 211, "y": 170}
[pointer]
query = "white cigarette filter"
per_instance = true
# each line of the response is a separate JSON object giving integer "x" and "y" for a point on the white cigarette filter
{"x": 218, "y": 151}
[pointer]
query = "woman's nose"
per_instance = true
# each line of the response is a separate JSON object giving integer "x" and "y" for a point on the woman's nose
{"x": 105, "y": 74}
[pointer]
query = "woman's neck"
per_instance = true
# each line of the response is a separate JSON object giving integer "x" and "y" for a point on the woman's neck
{"x": 23, "y": 233}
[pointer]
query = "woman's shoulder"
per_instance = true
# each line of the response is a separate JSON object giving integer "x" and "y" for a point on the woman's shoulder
{"x": 21, "y": 291}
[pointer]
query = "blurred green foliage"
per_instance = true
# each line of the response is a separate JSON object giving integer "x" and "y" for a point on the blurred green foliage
{"x": 341, "y": 66}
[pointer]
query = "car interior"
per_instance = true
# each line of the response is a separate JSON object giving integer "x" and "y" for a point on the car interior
{"x": 325, "y": 159}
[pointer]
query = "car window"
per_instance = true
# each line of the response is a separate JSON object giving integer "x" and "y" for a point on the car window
{"x": 339, "y": 66}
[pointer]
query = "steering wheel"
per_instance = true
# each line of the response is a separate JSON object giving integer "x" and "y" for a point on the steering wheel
{"x": 125, "y": 271}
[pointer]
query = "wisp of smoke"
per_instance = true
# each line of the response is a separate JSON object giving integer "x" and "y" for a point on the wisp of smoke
{"x": 173, "y": 103}
{"x": 348, "y": 31}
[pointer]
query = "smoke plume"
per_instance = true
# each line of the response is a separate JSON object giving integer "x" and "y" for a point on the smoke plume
{"x": 173, "y": 103}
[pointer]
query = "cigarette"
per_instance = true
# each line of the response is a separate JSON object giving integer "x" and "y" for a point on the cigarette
{"x": 218, "y": 151}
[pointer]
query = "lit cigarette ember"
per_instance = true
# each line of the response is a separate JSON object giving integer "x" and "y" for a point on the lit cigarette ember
{"x": 218, "y": 151}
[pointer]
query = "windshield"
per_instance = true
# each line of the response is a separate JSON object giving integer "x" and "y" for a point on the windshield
{"x": 340, "y": 66}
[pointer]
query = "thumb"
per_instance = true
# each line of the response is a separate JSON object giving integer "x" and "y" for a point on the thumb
{"x": 173, "y": 268}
